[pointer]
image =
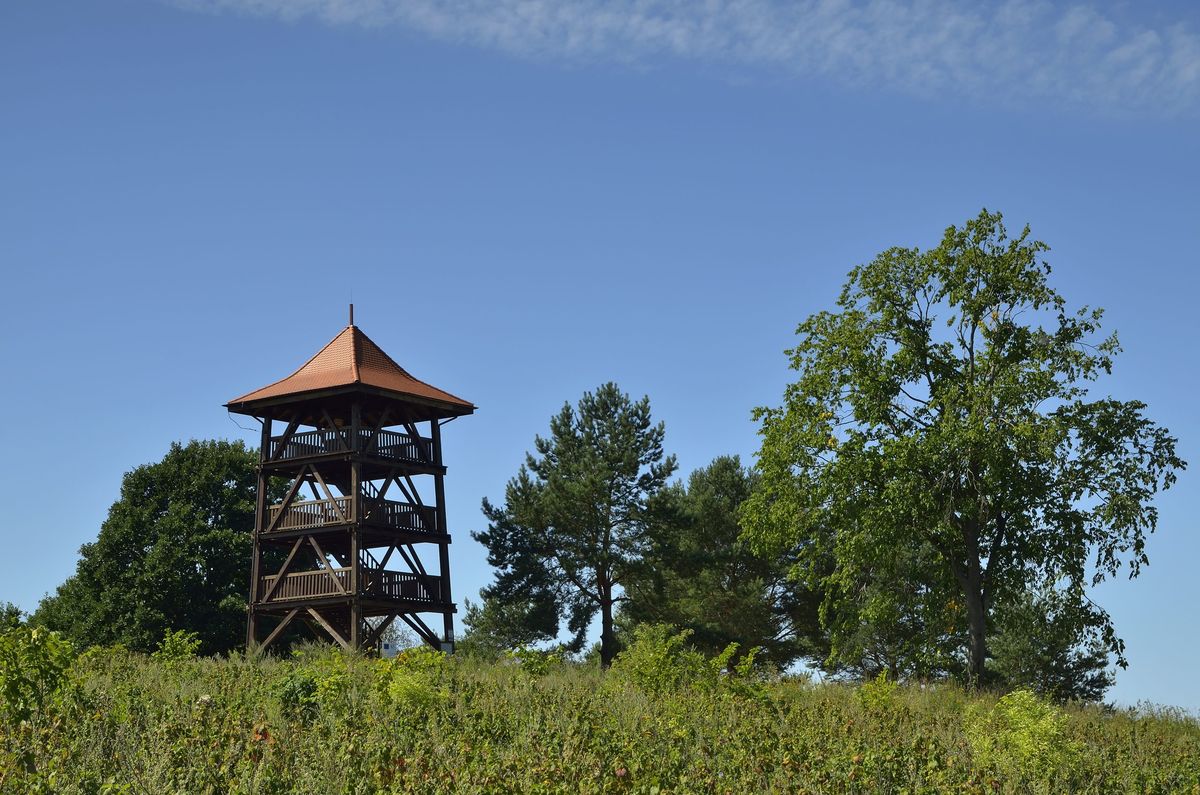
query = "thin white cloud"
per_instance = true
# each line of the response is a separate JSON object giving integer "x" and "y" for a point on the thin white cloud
{"x": 1012, "y": 51}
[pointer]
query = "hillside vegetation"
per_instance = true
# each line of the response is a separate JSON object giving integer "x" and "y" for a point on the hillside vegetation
{"x": 663, "y": 719}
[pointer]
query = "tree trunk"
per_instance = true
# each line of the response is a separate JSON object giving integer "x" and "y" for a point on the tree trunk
{"x": 969, "y": 574}
{"x": 976, "y": 628}
{"x": 608, "y": 641}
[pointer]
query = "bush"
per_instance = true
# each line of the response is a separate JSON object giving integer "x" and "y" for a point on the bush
{"x": 297, "y": 693}
{"x": 878, "y": 694}
{"x": 659, "y": 660}
{"x": 33, "y": 665}
{"x": 333, "y": 722}
{"x": 1022, "y": 738}
{"x": 412, "y": 678}
{"x": 176, "y": 646}
{"x": 535, "y": 662}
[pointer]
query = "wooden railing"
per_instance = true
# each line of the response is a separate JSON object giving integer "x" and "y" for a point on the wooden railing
{"x": 404, "y": 585}
{"x": 312, "y": 513}
{"x": 308, "y": 514}
{"x": 401, "y": 515}
{"x": 307, "y": 585}
{"x": 387, "y": 584}
{"x": 391, "y": 445}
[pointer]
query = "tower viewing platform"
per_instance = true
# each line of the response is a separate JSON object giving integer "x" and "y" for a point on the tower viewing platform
{"x": 357, "y": 441}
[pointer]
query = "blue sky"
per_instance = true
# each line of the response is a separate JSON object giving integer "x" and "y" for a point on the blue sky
{"x": 525, "y": 200}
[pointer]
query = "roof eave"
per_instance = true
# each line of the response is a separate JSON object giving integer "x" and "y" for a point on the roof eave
{"x": 253, "y": 407}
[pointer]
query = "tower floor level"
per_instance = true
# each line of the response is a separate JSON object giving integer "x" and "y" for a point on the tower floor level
{"x": 350, "y": 530}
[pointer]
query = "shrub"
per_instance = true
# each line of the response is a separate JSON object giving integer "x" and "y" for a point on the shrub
{"x": 535, "y": 662}
{"x": 177, "y": 645}
{"x": 659, "y": 660}
{"x": 33, "y": 664}
{"x": 412, "y": 678}
{"x": 297, "y": 692}
{"x": 1022, "y": 737}
{"x": 879, "y": 694}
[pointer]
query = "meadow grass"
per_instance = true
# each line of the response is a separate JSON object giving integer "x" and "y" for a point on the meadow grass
{"x": 326, "y": 722}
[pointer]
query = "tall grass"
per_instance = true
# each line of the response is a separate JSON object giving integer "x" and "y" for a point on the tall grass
{"x": 325, "y": 722}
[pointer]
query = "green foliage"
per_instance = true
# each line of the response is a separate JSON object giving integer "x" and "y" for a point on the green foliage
{"x": 123, "y": 721}
{"x": 412, "y": 679}
{"x": 700, "y": 575}
{"x": 173, "y": 554}
{"x": 574, "y": 527}
{"x": 33, "y": 664}
{"x": 940, "y": 453}
{"x": 11, "y": 616}
{"x": 1049, "y": 642}
{"x": 660, "y": 660}
{"x": 177, "y": 645}
{"x": 1022, "y": 738}
{"x": 879, "y": 694}
{"x": 535, "y": 662}
{"x": 296, "y": 692}
{"x": 500, "y": 625}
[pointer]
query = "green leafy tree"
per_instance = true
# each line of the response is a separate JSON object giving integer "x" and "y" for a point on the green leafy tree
{"x": 173, "y": 554}
{"x": 1050, "y": 642}
{"x": 575, "y": 524}
{"x": 11, "y": 616}
{"x": 942, "y": 428}
{"x": 702, "y": 577}
{"x": 497, "y": 626}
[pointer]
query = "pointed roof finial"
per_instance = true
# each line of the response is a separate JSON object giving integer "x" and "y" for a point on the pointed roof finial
{"x": 351, "y": 314}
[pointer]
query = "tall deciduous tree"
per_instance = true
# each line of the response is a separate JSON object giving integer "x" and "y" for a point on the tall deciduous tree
{"x": 945, "y": 407}
{"x": 575, "y": 521}
{"x": 700, "y": 574}
{"x": 174, "y": 553}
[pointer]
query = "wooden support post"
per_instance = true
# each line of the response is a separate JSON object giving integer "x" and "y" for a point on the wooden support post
{"x": 443, "y": 548}
{"x": 260, "y": 521}
{"x": 356, "y": 564}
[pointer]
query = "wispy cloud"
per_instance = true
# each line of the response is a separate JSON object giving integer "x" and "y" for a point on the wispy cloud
{"x": 1015, "y": 51}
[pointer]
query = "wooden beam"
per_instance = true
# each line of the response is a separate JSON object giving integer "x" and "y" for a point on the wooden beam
{"x": 387, "y": 556}
{"x": 278, "y": 629}
{"x": 333, "y": 427}
{"x": 324, "y": 562}
{"x": 419, "y": 627}
{"x": 283, "y": 570}
{"x": 414, "y": 567}
{"x": 287, "y": 500}
{"x": 277, "y": 453}
{"x": 419, "y": 441}
{"x": 329, "y": 494}
{"x": 377, "y": 633}
{"x": 405, "y": 492}
{"x": 345, "y": 644}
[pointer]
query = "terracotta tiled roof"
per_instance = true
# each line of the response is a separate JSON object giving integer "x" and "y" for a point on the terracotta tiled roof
{"x": 352, "y": 358}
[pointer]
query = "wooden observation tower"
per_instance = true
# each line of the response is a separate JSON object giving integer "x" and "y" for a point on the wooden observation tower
{"x": 340, "y": 552}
